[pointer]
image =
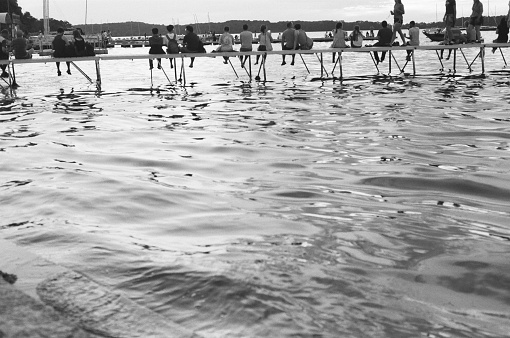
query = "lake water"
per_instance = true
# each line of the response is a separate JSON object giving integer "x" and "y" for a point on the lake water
{"x": 371, "y": 207}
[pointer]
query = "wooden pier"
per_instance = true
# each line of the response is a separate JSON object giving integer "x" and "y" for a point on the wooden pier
{"x": 457, "y": 51}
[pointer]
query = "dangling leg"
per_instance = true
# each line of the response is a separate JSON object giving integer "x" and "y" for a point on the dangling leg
{"x": 68, "y": 67}
{"x": 58, "y": 69}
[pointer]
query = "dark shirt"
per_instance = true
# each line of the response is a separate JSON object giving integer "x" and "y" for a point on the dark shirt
{"x": 156, "y": 43}
{"x": 3, "y": 45}
{"x": 385, "y": 35}
{"x": 59, "y": 46}
{"x": 19, "y": 47}
{"x": 450, "y": 7}
{"x": 192, "y": 42}
{"x": 502, "y": 32}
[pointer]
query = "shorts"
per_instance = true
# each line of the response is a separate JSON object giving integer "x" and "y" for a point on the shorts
{"x": 244, "y": 49}
{"x": 473, "y": 21}
{"x": 262, "y": 48}
{"x": 287, "y": 48}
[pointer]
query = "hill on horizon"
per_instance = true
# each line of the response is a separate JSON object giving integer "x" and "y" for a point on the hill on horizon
{"x": 134, "y": 28}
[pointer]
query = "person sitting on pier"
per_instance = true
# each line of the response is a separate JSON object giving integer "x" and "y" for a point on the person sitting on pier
{"x": 398, "y": 17}
{"x": 60, "y": 44}
{"x": 156, "y": 47}
{"x": 414, "y": 38}
{"x": 338, "y": 38}
{"x": 384, "y": 36}
{"x": 476, "y": 18}
{"x": 246, "y": 38}
{"x": 226, "y": 43}
{"x": 172, "y": 47}
{"x": 19, "y": 47}
{"x": 301, "y": 40}
{"x": 288, "y": 42}
{"x": 502, "y": 31}
{"x": 79, "y": 43}
{"x": 265, "y": 42}
{"x": 4, "y": 50}
{"x": 192, "y": 44}
{"x": 356, "y": 37}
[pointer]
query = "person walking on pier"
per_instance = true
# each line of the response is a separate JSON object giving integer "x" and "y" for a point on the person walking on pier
{"x": 384, "y": 36}
{"x": 4, "y": 50}
{"x": 191, "y": 44}
{"x": 265, "y": 42}
{"x": 60, "y": 44}
{"x": 246, "y": 38}
{"x": 398, "y": 19}
{"x": 156, "y": 47}
{"x": 172, "y": 47}
{"x": 288, "y": 42}
{"x": 476, "y": 18}
{"x": 301, "y": 40}
{"x": 450, "y": 17}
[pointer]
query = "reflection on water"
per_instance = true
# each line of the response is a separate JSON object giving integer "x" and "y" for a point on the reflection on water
{"x": 376, "y": 206}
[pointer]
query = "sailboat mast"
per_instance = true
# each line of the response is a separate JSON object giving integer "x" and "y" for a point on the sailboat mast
{"x": 46, "y": 17}
{"x": 86, "y": 10}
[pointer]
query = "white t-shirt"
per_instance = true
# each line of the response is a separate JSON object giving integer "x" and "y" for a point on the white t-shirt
{"x": 414, "y": 34}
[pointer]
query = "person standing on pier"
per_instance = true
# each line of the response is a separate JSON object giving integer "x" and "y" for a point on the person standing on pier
{"x": 476, "y": 18}
{"x": 288, "y": 42}
{"x": 450, "y": 17}
{"x": 192, "y": 44}
{"x": 384, "y": 36}
{"x": 4, "y": 50}
{"x": 60, "y": 44}
{"x": 398, "y": 19}
{"x": 246, "y": 38}
{"x": 156, "y": 47}
{"x": 265, "y": 42}
{"x": 172, "y": 47}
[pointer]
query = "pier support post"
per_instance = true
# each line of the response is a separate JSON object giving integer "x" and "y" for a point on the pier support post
{"x": 414, "y": 63}
{"x": 482, "y": 57}
{"x": 455, "y": 60}
{"x": 98, "y": 74}
{"x": 341, "y": 67}
{"x": 503, "y": 56}
{"x": 389, "y": 63}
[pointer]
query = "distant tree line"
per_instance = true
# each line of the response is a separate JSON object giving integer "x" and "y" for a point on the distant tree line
{"x": 130, "y": 28}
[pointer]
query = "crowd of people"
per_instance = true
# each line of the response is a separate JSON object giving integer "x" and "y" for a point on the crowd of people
{"x": 293, "y": 38}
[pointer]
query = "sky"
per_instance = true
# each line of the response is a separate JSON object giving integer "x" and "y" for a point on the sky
{"x": 191, "y": 11}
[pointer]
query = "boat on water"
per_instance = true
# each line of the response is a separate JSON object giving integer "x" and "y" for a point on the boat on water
{"x": 434, "y": 34}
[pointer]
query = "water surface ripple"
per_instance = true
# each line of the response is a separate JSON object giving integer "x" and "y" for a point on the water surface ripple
{"x": 372, "y": 207}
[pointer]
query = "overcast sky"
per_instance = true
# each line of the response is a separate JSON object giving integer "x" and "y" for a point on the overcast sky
{"x": 189, "y": 11}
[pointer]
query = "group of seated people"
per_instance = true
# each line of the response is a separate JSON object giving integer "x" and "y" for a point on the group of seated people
{"x": 191, "y": 43}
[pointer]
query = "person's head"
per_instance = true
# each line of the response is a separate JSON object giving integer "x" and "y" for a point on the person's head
{"x": 189, "y": 29}
{"x": 263, "y": 28}
{"x": 339, "y": 25}
{"x": 60, "y": 30}
{"x": 297, "y": 27}
{"x": 226, "y": 29}
{"x": 4, "y": 33}
{"x": 412, "y": 24}
{"x": 76, "y": 34}
{"x": 245, "y": 27}
{"x": 155, "y": 31}
{"x": 356, "y": 28}
{"x": 289, "y": 24}
{"x": 384, "y": 24}
{"x": 170, "y": 28}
